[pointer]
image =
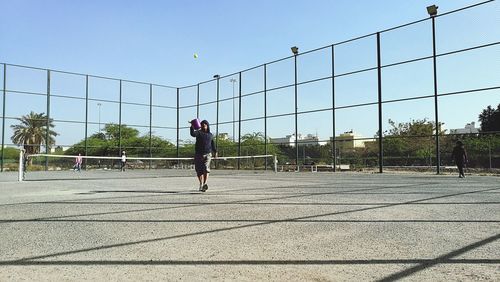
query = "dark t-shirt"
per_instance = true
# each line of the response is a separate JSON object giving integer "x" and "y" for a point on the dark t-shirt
{"x": 204, "y": 142}
{"x": 459, "y": 154}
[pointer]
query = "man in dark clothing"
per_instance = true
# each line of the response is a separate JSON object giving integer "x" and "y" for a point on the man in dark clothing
{"x": 204, "y": 148}
{"x": 460, "y": 157}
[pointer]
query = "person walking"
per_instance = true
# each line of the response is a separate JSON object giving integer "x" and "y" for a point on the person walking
{"x": 459, "y": 155}
{"x": 26, "y": 162}
{"x": 123, "y": 161}
{"x": 78, "y": 163}
{"x": 204, "y": 147}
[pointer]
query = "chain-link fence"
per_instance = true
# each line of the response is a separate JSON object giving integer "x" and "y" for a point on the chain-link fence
{"x": 389, "y": 99}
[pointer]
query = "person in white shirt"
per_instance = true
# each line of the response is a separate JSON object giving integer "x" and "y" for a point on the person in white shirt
{"x": 123, "y": 161}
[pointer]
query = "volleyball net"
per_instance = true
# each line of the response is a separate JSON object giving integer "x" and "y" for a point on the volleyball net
{"x": 48, "y": 166}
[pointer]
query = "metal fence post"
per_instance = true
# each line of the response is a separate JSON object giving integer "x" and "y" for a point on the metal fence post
{"x": 380, "y": 135}
{"x": 296, "y": 115}
{"x": 120, "y": 123}
{"x": 239, "y": 119}
{"x": 150, "y": 123}
{"x": 3, "y": 115}
{"x": 489, "y": 150}
{"x": 434, "y": 63}
{"x": 334, "y": 143}
{"x": 86, "y": 118}
{"x": 198, "y": 101}
{"x": 265, "y": 114}
{"x": 178, "y": 109}
{"x": 217, "y": 116}
{"x": 47, "y": 135}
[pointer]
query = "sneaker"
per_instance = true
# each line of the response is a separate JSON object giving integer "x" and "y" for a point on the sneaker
{"x": 201, "y": 188}
{"x": 205, "y": 187}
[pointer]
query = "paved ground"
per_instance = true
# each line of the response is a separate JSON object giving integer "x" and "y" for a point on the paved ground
{"x": 248, "y": 227}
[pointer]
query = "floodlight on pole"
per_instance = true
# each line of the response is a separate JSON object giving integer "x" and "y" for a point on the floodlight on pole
{"x": 295, "y": 50}
{"x": 432, "y": 10}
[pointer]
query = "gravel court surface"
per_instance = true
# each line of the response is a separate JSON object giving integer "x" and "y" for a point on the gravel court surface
{"x": 250, "y": 226}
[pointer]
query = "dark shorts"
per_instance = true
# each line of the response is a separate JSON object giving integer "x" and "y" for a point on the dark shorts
{"x": 202, "y": 163}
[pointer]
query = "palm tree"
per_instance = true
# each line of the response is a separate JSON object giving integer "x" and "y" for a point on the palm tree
{"x": 253, "y": 143}
{"x": 254, "y": 136}
{"x": 32, "y": 132}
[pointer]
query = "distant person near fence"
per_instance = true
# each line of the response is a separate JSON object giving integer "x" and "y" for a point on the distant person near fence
{"x": 123, "y": 161}
{"x": 78, "y": 163}
{"x": 460, "y": 156}
{"x": 26, "y": 162}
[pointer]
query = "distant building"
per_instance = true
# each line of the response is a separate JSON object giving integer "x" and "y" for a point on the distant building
{"x": 308, "y": 140}
{"x": 58, "y": 149}
{"x": 350, "y": 140}
{"x": 287, "y": 140}
{"x": 469, "y": 128}
{"x": 224, "y": 136}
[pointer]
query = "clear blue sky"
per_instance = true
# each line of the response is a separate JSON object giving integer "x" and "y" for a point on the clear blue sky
{"x": 154, "y": 41}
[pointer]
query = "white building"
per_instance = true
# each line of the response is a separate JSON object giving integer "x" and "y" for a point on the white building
{"x": 287, "y": 140}
{"x": 224, "y": 136}
{"x": 350, "y": 140}
{"x": 56, "y": 149}
{"x": 308, "y": 140}
{"x": 469, "y": 128}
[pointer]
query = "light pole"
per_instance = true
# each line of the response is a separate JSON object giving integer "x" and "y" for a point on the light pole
{"x": 295, "y": 51}
{"x": 432, "y": 10}
{"x": 233, "y": 81}
{"x": 99, "y": 106}
{"x": 217, "y": 77}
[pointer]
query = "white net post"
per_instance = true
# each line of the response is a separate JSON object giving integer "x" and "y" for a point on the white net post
{"x": 21, "y": 165}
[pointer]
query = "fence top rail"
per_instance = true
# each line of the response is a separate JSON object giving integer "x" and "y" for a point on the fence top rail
{"x": 88, "y": 75}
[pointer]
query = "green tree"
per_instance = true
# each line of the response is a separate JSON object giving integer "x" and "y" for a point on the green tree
{"x": 106, "y": 143}
{"x": 31, "y": 133}
{"x": 112, "y": 132}
{"x": 254, "y": 144}
{"x": 413, "y": 128}
{"x": 11, "y": 154}
{"x": 226, "y": 147}
{"x": 490, "y": 119}
{"x": 10, "y": 158}
{"x": 409, "y": 143}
